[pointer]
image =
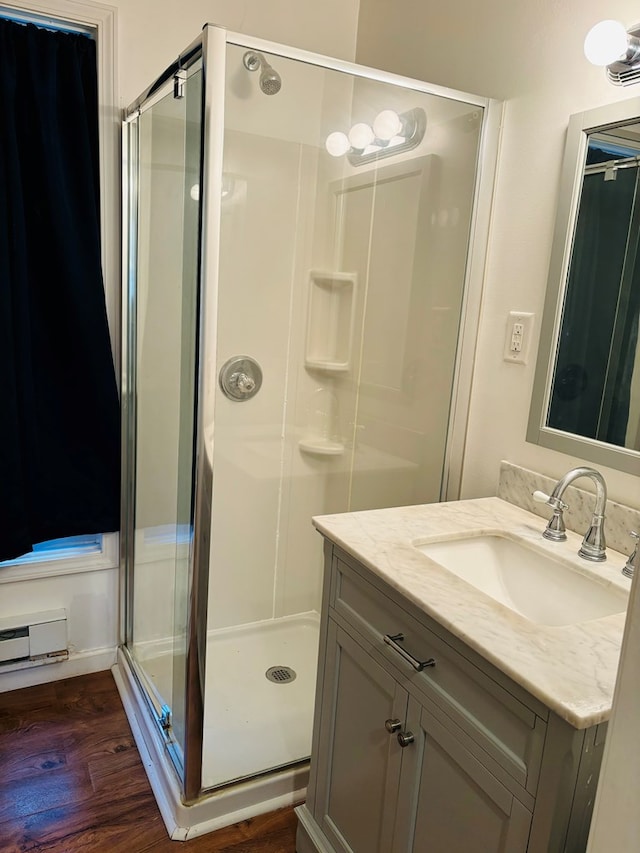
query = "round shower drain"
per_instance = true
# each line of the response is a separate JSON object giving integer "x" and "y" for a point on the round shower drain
{"x": 280, "y": 674}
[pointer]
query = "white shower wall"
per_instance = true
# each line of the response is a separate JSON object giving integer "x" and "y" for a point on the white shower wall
{"x": 267, "y": 221}
{"x": 291, "y": 210}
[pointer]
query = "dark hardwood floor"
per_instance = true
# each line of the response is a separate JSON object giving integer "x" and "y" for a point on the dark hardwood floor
{"x": 71, "y": 780}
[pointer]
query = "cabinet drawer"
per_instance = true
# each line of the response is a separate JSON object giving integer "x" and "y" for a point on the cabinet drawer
{"x": 506, "y": 729}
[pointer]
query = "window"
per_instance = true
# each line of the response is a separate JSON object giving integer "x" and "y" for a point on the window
{"x": 56, "y": 558}
{"x": 56, "y": 549}
{"x": 82, "y": 553}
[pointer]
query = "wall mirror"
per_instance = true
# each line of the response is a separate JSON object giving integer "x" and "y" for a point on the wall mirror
{"x": 586, "y": 394}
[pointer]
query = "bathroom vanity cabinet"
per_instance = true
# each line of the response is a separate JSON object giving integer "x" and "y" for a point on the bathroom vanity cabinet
{"x": 451, "y": 757}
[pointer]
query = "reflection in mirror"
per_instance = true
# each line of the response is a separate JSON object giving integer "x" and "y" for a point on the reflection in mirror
{"x": 586, "y": 397}
{"x": 596, "y": 392}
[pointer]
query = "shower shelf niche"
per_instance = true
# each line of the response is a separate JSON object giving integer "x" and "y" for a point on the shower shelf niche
{"x": 321, "y": 435}
{"x": 330, "y": 320}
{"x": 321, "y": 447}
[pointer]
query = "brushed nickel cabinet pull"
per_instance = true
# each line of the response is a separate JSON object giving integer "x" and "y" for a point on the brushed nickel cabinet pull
{"x": 394, "y": 641}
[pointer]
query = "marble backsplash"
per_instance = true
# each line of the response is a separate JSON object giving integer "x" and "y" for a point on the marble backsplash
{"x": 517, "y": 485}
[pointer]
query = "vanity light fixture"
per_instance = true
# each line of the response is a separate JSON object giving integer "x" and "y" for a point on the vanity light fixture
{"x": 610, "y": 45}
{"x": 390, "y": 134}
{"x": 361, "y": 136}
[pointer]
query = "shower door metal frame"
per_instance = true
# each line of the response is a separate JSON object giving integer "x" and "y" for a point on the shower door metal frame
{"x": 188, "y": 766}
{"x": 214, "y": 56}
{"x": 130, "y": 178}
{"x": 211, "y": 46}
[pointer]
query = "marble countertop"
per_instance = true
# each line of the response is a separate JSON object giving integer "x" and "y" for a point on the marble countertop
{"x": 570, "y": 669}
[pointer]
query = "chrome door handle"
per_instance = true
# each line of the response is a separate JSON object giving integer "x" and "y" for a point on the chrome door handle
{"x": 405, "y": 738}
{"x": 394, "y": 640}
{"x": 392, "y": 726}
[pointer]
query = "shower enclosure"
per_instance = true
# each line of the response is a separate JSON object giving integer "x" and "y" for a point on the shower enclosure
{"x": 303, "y": 250}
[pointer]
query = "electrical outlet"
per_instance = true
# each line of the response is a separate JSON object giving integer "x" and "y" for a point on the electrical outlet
{"x": 518, "y": 337}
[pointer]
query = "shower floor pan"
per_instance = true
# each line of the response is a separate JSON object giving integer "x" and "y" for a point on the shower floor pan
{"x": 252, "y": 723}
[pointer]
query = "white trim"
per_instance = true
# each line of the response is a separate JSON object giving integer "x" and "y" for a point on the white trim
{"x": 107, "y": 558}
{"x": 28, "y": 16}
{"x": 74, "y": 11}
{"x": 83, "y": 663}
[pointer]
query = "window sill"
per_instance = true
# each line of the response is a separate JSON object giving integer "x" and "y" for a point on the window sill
{"x": 108, "y": 558}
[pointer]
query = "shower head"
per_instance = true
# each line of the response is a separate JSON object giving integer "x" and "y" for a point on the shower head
{"x": 270, "y": 80}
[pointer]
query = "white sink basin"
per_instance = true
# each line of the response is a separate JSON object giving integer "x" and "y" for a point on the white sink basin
{"x": 536, "y": 586}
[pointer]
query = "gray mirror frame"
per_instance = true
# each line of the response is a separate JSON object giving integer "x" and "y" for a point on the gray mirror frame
{"x": 598, "y": 452}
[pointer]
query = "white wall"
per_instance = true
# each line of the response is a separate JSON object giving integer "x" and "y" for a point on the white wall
{"x": 153, "y": 32}
{"x": 90, "y": 601}
{"x": 530, "y": 55}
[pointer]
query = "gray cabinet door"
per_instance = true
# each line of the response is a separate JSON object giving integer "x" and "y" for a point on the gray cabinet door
{"x": 358, "y": 760}
{"x": 449, "y": 801}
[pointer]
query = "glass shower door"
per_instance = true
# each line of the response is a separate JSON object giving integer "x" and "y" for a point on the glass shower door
{"x": 164, "y": 156}
{"x": 341, "y": 272}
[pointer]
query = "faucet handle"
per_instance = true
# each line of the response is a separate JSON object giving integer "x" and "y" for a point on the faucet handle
{"x": 555, "y": 529}
{"x": 633, "y": 559}
{"x": 542, "y": 498}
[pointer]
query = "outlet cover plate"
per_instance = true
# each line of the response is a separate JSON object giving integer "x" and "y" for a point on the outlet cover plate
{"x": 516, "y": 346}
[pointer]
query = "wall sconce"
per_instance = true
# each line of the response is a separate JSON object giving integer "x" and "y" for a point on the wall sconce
{"x": 390, "y": 134}
{"x": 610, "y": 45}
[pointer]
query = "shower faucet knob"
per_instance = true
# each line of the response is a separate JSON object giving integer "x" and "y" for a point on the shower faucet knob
{"x": 240, "y": 378}
{"x": 243, "y": 382}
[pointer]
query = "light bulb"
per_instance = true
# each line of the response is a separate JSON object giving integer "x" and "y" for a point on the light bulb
{"x": 605, "y": 43}
{"x": 361, "y": 135}
{"x": 228, "y": 186}
{"x": 387, "y": 124}
{"x": 337, "y": 144}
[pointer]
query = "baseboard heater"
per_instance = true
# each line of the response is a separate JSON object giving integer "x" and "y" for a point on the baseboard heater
{"x": 32, "y": 639}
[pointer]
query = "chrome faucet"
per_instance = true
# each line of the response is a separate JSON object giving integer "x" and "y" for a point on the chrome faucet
{"x": 633, "y": 562}
{"x": 593, "y": 545}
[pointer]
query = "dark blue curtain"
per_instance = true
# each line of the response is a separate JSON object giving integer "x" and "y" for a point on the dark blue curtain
{"x": 59, "y": 410}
